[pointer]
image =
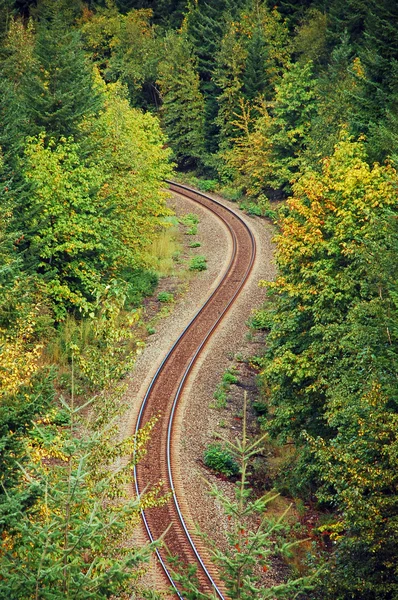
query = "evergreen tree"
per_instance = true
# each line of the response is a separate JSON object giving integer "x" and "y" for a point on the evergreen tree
{"x": 183, "y": 105}
{"x": 17, "y": 61}
{"x": 205, "y": 25}
{"x": 228, "y": 76}
{"x": 125, "y": 49}
{"x": 252, "y": 536}
{"x": 267, "y": 155}
{"x": 255, "y": 78}
{"x": 336, "y": 91}
{"x": 292, "y": 112}
{"x": 59, "y": 91}
{"x": 376, "y": 111}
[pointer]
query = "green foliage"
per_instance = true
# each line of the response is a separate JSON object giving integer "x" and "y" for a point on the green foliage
{"x": 260, "y": 407}
{"x": 252, "y": 536}
{"x": 140, "y": 284}
{"x": 191, "y": 222}
{"x": 229, "y": 377}
{"x": 190, "y": 219}
{"x": 261, "y": 319}
{"x": 331, "y": 367}
{"x": 195, "y": 245}
{"x": 63, "y": 241}
{"x": 125, "y": 49}
{"x": 183, "y": 107}
{"x": 250, "y": 62}
{"x": 219, "y": 459}
{"x": 68, "y": 540}
{"x": 220, "y": 397}
{"x": 58, "y": 90}
{"x": 207, "y": 185}
{"x": 231, "y": 193}
{"x": 165, "y": 297}
{"x": 198, "y": 263}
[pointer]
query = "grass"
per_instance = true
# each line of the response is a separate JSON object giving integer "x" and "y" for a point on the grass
{"x": 220, "y": 395}
{"x": 164, "y": 251}
{"x": 190, "y": 219}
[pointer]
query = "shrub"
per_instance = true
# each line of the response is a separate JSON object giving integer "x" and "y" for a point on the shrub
{"x": 229, "y": 377}
{"x": 251, "y": 208}
{"x": 195, "y": 245}
{"x": 260, "y": 319}
{"x": 139, "y": 284}
{"x": 260, "y": 407}
{"x": 219, "y": 459}
{"x": 231, "y": 193}
{"x": 220, "y": 396}
{"x": 192, "y": 230}
{"x": 190, "y": 219}
{"x": 165, "y": 297}
{"x": 198, "y": 263}
{"x": 207, "y": 185}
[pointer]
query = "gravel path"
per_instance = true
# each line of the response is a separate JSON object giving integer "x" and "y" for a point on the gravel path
{"x": 197, "y": 420}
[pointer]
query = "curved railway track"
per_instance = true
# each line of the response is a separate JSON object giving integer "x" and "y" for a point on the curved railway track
{"x": 166, "y": 387}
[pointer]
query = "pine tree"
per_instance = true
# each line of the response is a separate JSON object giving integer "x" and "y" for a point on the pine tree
{"x": 228, "y": 76}
{"x": 7, "y": 11}
{"x": 337, "y": 88}
{"x": 376, "y": 105}
{"x": 255, "y": 78}
{"x": 59, "y": 91}
{"x": 183, "y": 105}
{"x": 292, "y": 112}
{"x": 18, "y": 60}
{"x": 205, "y": 24}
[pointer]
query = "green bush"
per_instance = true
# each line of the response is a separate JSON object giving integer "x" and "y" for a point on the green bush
{"x": 165, "y": 297}
{"x": 192, "y": 230}
{"x": 220, "y": 397}
{"x": 251, "y": 208}
{"x": 140, "y": 284}
{"x": 198, "y": 263}
{"x": 231, "y": 193}
{"x": 260, "y": 407}
{"x": 219, "y": 459}
{"x": 229, "y": 377}
{"x": 195, "y": 245}
{"x": 260, "y": 319}
{"x": 190, "y": 219}
{"x": 207, "y": 185}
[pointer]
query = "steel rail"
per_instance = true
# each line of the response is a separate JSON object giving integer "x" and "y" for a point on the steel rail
{"x": 180, "y": 189}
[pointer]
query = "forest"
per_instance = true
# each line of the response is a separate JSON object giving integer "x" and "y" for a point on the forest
{"x": 288, "y": 108}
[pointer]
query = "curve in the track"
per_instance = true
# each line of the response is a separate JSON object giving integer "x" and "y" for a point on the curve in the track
{"x": 166, "y": 387}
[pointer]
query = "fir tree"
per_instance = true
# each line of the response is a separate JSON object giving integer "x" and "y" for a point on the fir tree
{"x": 183, "y": 105}
{"x": 255, "y": 78}
{"x": 59, "y": 91}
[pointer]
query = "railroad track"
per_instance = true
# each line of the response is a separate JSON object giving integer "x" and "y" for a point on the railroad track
{"x": 164, "y": 392}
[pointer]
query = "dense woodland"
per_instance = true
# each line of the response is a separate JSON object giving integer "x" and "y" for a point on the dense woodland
{"x": 288, "y": 107}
